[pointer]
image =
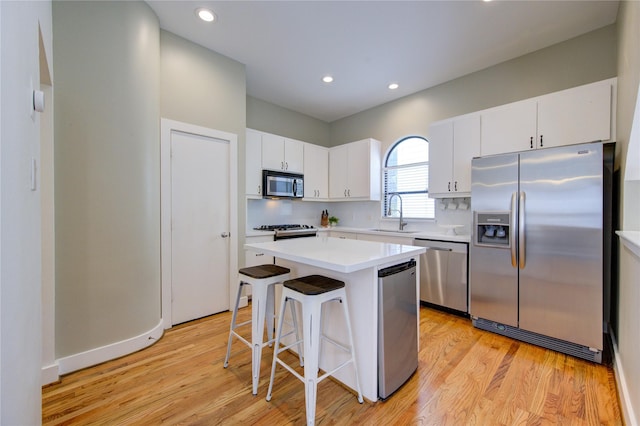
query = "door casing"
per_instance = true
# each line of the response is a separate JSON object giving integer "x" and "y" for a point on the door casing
{"x": 166, "y": 127}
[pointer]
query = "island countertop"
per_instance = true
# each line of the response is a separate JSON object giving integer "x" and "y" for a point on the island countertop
{"x": 336, "y": 254}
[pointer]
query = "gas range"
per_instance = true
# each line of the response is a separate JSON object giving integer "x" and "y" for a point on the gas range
{"x": 289, "y": 230}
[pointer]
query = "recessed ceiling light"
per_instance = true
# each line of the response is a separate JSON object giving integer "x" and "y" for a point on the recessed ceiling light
{"x": 393, "y": 86}
{"x": 206, "y": 14}
{"x": 327, "y": 79}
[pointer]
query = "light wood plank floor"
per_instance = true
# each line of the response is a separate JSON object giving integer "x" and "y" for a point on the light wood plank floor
{"x": 466, "y": 376}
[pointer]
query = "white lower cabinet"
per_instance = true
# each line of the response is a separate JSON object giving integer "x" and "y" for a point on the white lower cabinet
{"x": 392, "y": 239}
{"x": 343, "y": 235}
{"x": 254, "y": 258}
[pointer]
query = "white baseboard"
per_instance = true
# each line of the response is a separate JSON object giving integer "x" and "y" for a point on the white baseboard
{"x": 628, "y": 414}
{"x": 105, "y": 353}
{"x": 49, "y": 374}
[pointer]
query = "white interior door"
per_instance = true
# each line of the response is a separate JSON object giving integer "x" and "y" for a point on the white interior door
{"x": 200, "y": 226}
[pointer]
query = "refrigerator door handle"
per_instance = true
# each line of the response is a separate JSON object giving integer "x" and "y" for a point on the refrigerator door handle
{"x": 512, "y": 235}
{"x": 521, "y": 231}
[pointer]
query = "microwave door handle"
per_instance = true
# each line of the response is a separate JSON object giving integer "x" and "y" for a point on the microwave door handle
{"x": 512, "y": 235}
{"x": 295, "y": 186}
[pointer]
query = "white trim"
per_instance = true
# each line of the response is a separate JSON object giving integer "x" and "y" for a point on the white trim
{"x": 108, "y": 352}
{"x": 166, "y": 127}
{"x": 49, "y": 374}
{"x": 626, "y": 405}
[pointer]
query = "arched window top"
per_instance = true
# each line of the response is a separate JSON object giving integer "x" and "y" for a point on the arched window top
{"x": 410, "y": 150}
{"x": 406, "y": 173}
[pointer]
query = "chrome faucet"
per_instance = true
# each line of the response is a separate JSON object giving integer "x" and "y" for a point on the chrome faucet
{"x": 401, "y": 224}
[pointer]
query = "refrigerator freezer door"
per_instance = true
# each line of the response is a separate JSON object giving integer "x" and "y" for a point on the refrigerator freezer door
{"x": 561, "y": 281}
{"x": 493, "y": 281}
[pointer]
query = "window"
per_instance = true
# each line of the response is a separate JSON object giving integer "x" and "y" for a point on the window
{"x": 406, "y": 173}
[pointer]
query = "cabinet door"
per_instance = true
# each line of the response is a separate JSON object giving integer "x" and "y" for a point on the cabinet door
{"x": 358, "y": 166}
{"x": 338, "y": 164}
{"x": 578, "y": 115}
{"x": 316, "y": 172}
{"x": 440, "y": 157}
{"x": 509, "y": 128}
{"x": 254, "y": 258}
{"x": 272, "y": 152}
{"x": 343, "y": 235}
{"x": 466, "y": 145}
{"x": 253, "y": 163}
{"x": 293, "y": 156}
{"x": 386, "y": 239}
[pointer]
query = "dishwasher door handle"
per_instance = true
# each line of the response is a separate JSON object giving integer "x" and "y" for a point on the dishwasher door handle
{"x": 438, "y": 248}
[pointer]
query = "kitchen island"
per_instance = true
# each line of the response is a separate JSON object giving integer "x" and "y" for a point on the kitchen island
{"x": 357, "y": 264}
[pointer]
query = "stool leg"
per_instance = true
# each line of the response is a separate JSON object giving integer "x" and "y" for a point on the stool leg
{"x": 294, "y": 319}
{"x": 276, "y": 346}
{"x": 345, "y": 308}
{"x": 233, "y": 324}
{"x": 271, "y": 316}
{"x": 311, "y": 335}
{"x": 258, "y": 311}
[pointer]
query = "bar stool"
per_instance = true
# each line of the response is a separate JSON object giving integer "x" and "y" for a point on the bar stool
{"x": 262, "y": 279}
{"x": 312, "y": 292}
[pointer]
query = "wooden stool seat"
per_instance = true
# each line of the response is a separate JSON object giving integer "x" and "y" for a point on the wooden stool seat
{"x": 264, "y": 271}
{"x": 313, "y": 284}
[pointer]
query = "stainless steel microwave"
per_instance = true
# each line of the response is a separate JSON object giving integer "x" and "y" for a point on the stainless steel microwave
{"x": 282, "y": 185}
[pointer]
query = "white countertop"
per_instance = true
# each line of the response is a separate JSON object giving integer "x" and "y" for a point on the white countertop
{"x": 337, "y": 254}
{"x": 630, "y": 239}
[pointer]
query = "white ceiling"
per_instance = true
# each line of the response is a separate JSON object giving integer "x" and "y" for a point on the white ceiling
{"x": 287, "y": 46}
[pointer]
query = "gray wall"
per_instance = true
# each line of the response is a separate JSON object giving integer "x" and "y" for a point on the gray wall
{"x": 207, "y": 89}
{"x": 271, "y": 118}
{"x": 106, "y": 172}
{"x": 581, "y": 60}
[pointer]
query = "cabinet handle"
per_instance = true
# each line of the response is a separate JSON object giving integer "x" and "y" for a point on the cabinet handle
{"x": 286, "y": 165}
{"x": 541, "y": 144}
{"x": 259, "y": 189}
{"x": 282, "y": 165}
{"x": 349, "y": 192}
{"x": 449, "y": 186}
{"x": 259, "y": 254}
{"x": 531, "y": 142}
{"x": 345, "y": 192}
{"x": 455, "y": 186}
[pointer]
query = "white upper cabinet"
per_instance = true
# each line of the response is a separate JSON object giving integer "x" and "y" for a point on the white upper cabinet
{"x": 354, "y": 171}
{"x": 280, "y": 153}
{"x": 572, "y": 116}
{"x": 509, "y": 128}
{"x": 452, "y": 145}
{"x": 253, "y": 163}
{"x": 575, "y": 115}
{"x": 316, "y": 172}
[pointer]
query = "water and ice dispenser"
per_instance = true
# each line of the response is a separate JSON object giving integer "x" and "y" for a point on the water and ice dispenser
{"x": 492, "y": 229}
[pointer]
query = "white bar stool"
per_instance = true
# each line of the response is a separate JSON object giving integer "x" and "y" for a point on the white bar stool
{"x": 262, "y": 279}
{"x": 312, "y": 291}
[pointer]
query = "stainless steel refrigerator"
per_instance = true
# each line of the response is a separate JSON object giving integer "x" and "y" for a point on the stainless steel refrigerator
{"x": 539, "y": 261}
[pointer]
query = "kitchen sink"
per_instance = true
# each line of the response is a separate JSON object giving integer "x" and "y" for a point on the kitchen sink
{"x": 393, "y": 230}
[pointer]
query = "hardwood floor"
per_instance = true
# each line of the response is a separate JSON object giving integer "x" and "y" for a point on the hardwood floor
{"x": 466, "y": 376}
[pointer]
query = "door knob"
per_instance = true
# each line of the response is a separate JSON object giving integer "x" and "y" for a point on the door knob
{"x": 224, "y": 234}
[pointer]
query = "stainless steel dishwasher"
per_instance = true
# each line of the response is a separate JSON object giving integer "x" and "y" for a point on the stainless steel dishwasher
{"x": 444, "y": 274}
{"x": 397, "y": 326}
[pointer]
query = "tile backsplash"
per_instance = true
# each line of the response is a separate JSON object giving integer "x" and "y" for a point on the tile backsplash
{"x": 360, "y": 214}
